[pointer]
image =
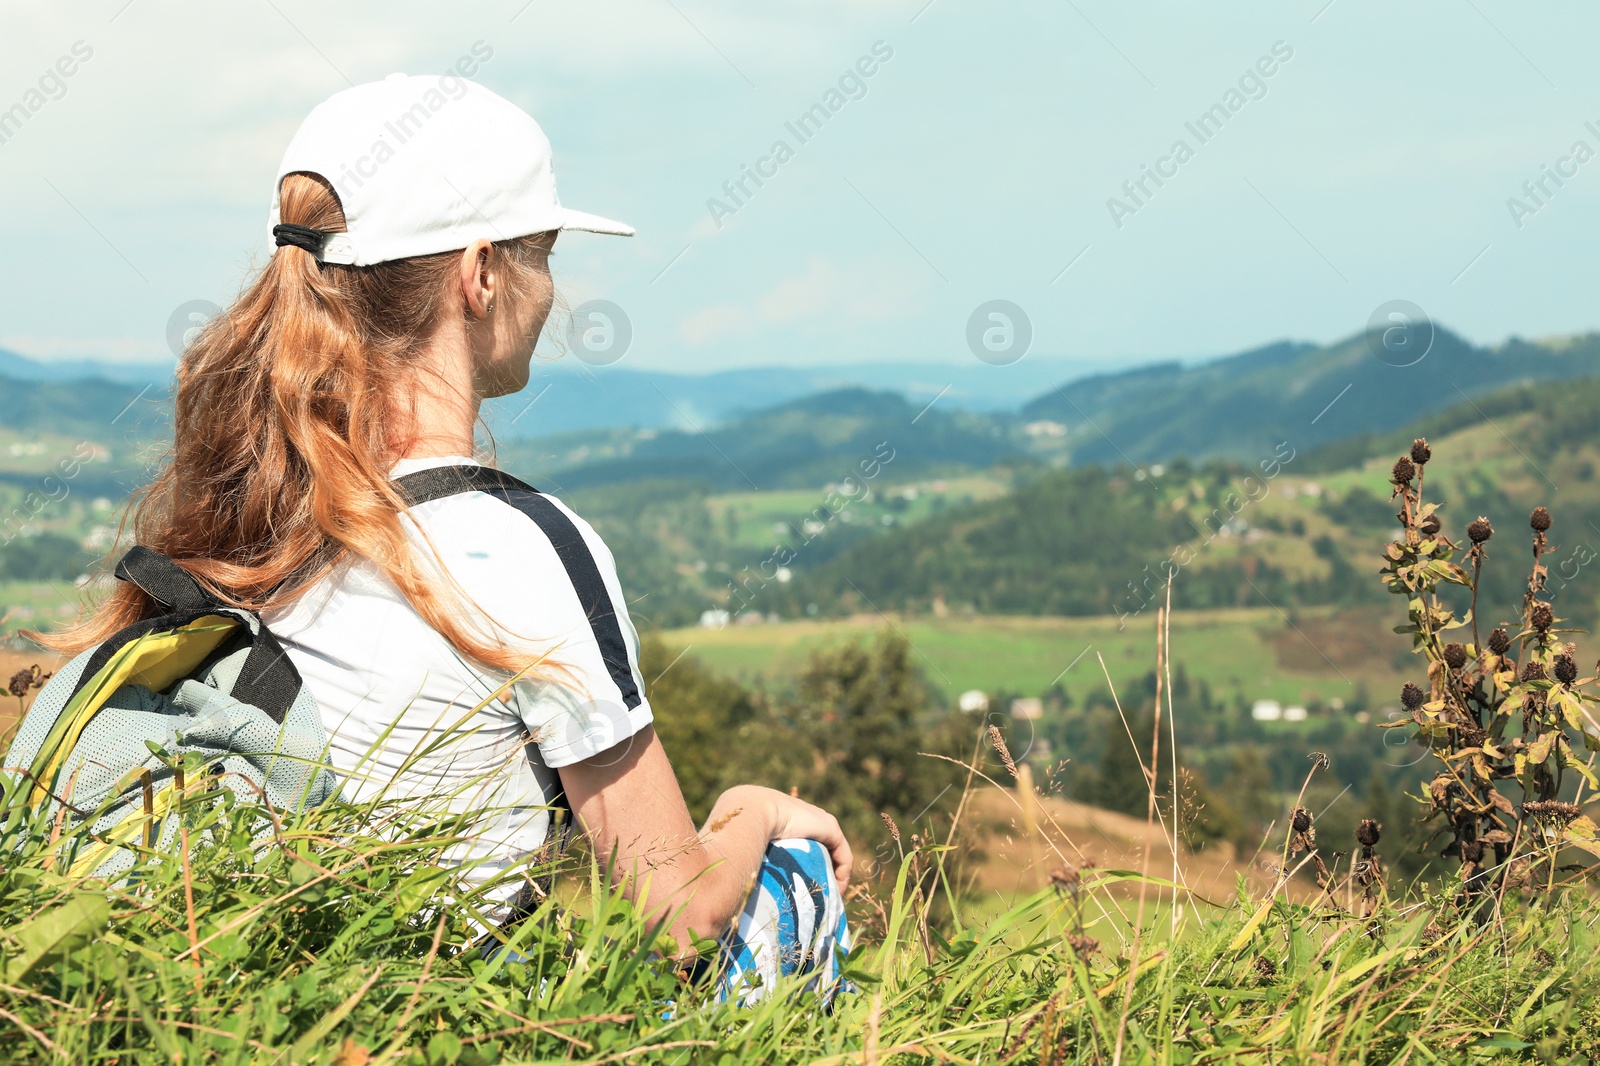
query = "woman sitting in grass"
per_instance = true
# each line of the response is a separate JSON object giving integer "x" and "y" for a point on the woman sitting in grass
{"x": 322, "y": 474}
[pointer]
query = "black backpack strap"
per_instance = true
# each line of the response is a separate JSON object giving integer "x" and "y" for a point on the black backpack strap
{"x": 584, "y": 573}
{"x": 268, "y": 679}
{"x": 164, "y": 580}
{"x": 440, "y": 482}
{"x": 425, "y": 486}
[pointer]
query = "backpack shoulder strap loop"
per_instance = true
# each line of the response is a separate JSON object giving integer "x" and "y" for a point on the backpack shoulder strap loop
{"x": 164, "y": 580}
{"x": 267, "y": 679}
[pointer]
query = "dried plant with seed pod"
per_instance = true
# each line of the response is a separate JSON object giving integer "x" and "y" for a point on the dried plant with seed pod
{"x": 24, "y": 681}
{"x": 1511, "y": 715}
{"x": 1082, "y": 946}
{"x": 1266, "y": 970}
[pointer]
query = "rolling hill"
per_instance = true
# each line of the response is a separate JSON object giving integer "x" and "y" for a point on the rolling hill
{"x": 1241, "y": 406}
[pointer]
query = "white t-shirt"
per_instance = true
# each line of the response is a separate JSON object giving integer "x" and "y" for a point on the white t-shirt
{"x": 409, "y": 717}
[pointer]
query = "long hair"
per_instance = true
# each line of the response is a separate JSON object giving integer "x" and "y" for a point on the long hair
{"x": 284, "y": 432}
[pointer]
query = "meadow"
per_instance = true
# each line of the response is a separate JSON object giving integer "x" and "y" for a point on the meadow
{"x": 340, "y": 937}
{"x": 1316, "y": 656}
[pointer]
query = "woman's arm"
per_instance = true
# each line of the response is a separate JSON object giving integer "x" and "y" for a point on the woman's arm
{"x": 628, "y": 802}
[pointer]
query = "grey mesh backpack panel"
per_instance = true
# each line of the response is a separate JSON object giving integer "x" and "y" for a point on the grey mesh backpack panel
{"x": 243, "y": 747}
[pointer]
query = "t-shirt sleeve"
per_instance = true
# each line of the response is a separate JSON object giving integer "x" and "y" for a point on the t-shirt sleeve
{"x": 546, "y": 583}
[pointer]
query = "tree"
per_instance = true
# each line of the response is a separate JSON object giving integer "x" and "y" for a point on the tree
{"x": 849, "y": 737}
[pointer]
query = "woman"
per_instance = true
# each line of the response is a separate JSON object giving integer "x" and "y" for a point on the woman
{"x": 315, "y": 422}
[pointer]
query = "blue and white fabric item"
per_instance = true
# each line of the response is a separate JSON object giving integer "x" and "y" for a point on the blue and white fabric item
{"x": 792, "y": 924}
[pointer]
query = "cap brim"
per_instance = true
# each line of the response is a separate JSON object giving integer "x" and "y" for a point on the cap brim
{"x": 582, "y": 220}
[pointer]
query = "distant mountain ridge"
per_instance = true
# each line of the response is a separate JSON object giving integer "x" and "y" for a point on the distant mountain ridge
{"x": 566, "y": 395}
{"x": 584, "y": 426}
{"x": 1240, "y": 406}
{"x": 805, "y": 442}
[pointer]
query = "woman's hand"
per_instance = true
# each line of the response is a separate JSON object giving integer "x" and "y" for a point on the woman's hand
{"x": 786, "y": 816}
{"x": 797, "y": 818}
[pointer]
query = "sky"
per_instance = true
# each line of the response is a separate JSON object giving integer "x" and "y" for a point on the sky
{"x": 984, "y": 159}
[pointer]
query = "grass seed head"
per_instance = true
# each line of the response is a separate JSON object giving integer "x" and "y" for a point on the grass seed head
{"x": 1003, "y": 751}
{"x": 1420, "y": 452}
{"x": 1499, "y": 641}
{"x": 1455, "y": 655}
{"x": 1479, "y": 530}
{"x": 1539, "y": 520}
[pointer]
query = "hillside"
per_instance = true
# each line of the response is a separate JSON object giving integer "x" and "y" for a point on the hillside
{"x": 805, "y": 442}
{"x": 1093, "y": 541}
{"x": 1242, "y": 406}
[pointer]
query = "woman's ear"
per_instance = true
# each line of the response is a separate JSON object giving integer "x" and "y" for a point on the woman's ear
{"x": 479, "y": 285}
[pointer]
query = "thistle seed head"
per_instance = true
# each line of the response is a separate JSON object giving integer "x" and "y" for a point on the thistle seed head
{"x": 1420, "y": 452}
{"x": 1300, "y": 819}
{"x": 1083, "y": 946}
{"x": 1412, "y": 697}
{"x": 1066, "y": 878}
{"x": 1403, "y": 471}
{"x": 21, "y": 682}
{"x": 1479, "y": 530}
{"x": 1367, "y": 833}
{"x": 1539, "y": 520}
{"x": 1551, "y": 811}
{"x": 1542, "y": 617}
{"x": 1430, "y": 526}
{"x": 1533, "y": 670}
{"x": 1455, "y": 655}
{"x": 1471, "y": 852}
{"x": 1566, "y": 670}
{"x": 1499, "y": 641}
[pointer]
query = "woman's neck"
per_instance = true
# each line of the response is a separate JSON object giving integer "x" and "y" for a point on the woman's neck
{"x": 443, "y": 400}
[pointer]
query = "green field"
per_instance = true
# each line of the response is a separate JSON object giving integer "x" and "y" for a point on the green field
{"x": 1243, "y": 654}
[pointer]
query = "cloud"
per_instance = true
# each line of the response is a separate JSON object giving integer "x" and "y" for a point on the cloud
{"x": 822, "y": 299}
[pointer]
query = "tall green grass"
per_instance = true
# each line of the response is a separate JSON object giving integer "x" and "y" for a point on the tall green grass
{"x": 342, "y": 936}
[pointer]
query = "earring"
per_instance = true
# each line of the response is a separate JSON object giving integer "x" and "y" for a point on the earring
{"x": 489, "y": 310}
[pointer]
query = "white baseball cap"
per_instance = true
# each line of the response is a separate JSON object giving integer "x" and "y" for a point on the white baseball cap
{"x": 427, "y": 164}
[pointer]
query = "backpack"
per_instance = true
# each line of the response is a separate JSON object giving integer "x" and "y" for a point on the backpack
{"x": 117, "y": 732}
{"x": 122, "y": 730}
